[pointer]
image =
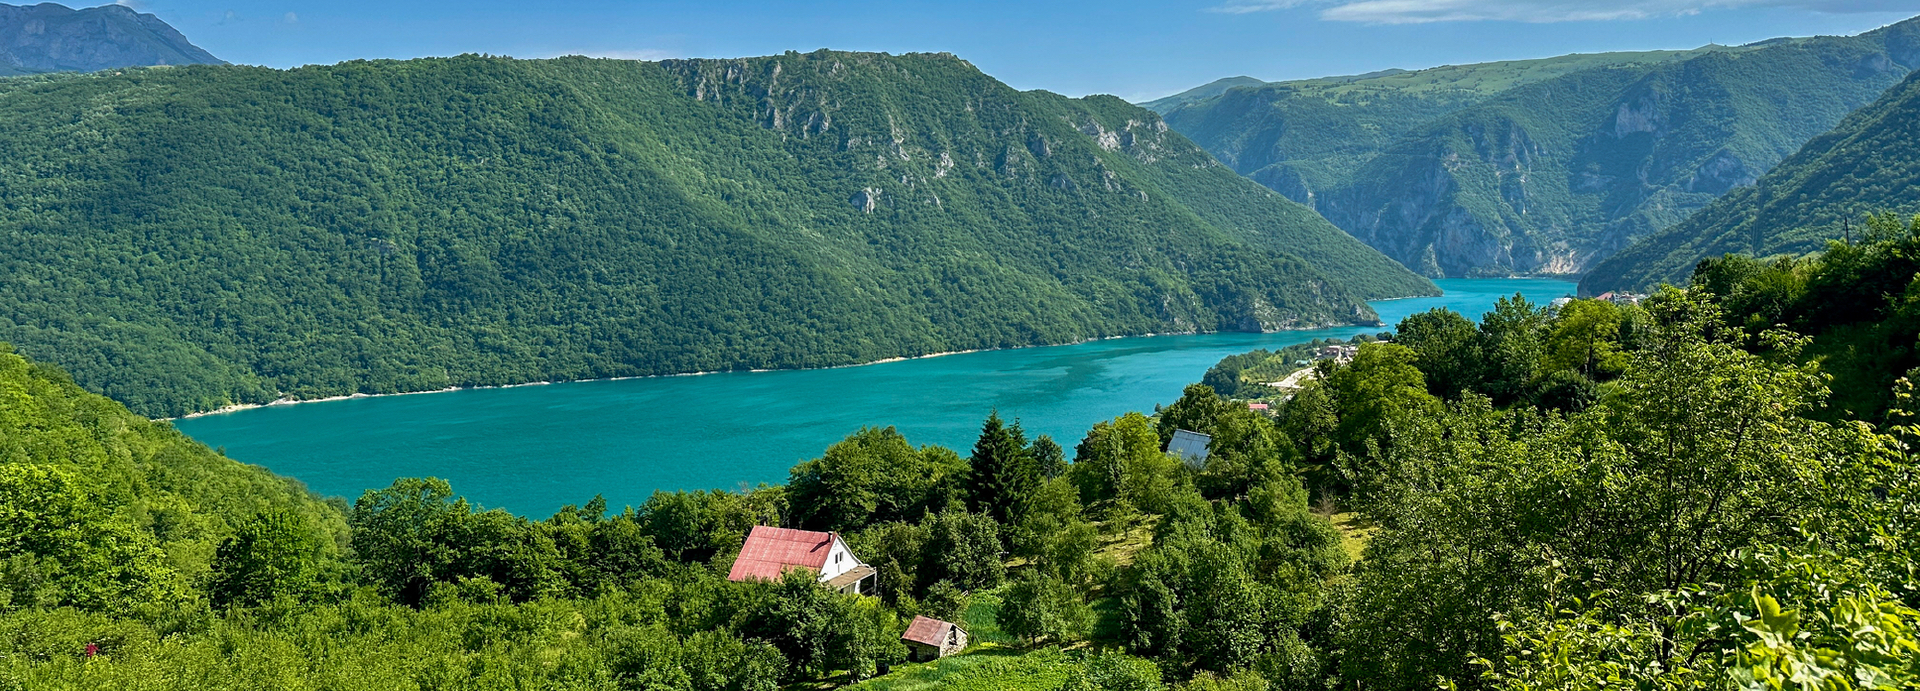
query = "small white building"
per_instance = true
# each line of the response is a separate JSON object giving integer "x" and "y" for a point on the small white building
{"x": 771, "y": 552}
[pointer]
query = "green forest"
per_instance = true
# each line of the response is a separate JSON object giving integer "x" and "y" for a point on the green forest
{"x": 1543, "y": 166}
{"x": 1714, "y": 489}
{"x": 186, "y": 238}
{"x": 1868, "y": 162}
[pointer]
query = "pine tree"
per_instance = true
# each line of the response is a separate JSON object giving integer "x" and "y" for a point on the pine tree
{"x": 1004, "y": 472}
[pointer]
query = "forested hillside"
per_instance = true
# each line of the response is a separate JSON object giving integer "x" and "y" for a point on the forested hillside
{"x": 1867, "y": 164}
{"x": 105, "y": 510}
{"x": 186, "y": 238}
{"x": 1542, "y": 166}
{"x": 1585, "y": 498}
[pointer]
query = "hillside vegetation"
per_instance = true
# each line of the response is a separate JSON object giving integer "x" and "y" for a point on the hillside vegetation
{"x": 186, "y": 238}
{"x": 1869, "y": 163}
{"x": 1586, "y": 498}
{"x": 103, "y": 509}
{"x": 1542, "y": 166}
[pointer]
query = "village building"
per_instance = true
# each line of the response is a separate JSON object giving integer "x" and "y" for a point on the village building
{"x": 1339, "y": 352}
{"x": 1191, "y": 447}
{"x": 929, "y": 639}
{"x": 771, "y": 552}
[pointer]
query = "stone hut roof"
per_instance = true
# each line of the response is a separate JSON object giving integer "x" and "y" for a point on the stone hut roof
{"x": 927, "y": 631}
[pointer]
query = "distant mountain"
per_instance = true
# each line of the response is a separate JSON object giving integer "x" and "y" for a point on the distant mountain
{"x": 1202, "y": 92}
{"x": 1542, "y": 166}
{"x": 53, "y": 38}
{"x": 237, "y": 234}
{"x": 1867, "y": 164}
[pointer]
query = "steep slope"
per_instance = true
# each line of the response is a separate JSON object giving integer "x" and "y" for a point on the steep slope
{"x": 1552, "y": 168}
{"x": 1307, "y": 136}
{"x": 192, "y": 237}
{"x": 105, "y": 508}
{"x": 53, "y": 38}
{"x": 1869, "y": 163}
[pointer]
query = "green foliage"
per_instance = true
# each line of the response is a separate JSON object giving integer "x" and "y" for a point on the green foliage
{"x": 1656, "y": 503}
{"x": 1701, "y": 452}
{"x": 1225, "y": 586}
{"x": 414, "y": 537}
{"x": 702, "y": 526}
{"x": 872, "y": 476}
{"x": 1857, "y": 301}
{"x": 247, "y": 234}
{"x": 271, "y": 557}
{"x": 1866, "y": 163}
{"x": 1037, "y": 607}
{"x": 1047, "y": 669}
{"x": 1115, "y": 672}
{"x": 1003, "y": 471}
{"x": 1199, "y": 409}
{"x": 1542, "y": 166}
{"x": 1120, "y": 467}
{"x": 1798, "y": 622}
{"x": 819, "y": 630}
{"x": 1446, "y": 348}
{"x": 64, "y": 547}
{"x": 963, "y": 548}
{"x": 106, "y": 509}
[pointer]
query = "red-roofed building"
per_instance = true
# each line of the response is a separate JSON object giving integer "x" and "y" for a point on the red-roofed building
{"x": 770, "y": 552}
{"x": 929, "y": 638}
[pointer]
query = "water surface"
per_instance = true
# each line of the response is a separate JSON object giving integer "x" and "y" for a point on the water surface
{"x": 531, "y": 449}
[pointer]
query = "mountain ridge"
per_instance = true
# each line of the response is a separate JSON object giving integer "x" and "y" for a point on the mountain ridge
{"x": 243, "y": 234}
{"x": 43, "y": 38}
{"x": 1458, "y": 171}
{"x": 1866, "y": 164}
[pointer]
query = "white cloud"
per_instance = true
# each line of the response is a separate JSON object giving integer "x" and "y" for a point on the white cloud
{"x": 1541, "y": 11}
{"x": 291, "y": 18}
{"x": 647, "y": 54}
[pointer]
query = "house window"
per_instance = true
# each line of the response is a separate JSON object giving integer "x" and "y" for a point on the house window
{"x": 836, "y": 558}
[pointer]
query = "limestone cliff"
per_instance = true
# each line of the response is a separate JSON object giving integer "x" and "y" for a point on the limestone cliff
{"x": 47, "y": 37}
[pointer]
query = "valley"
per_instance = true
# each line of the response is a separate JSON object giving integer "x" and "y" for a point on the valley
{"x": 378, "y": 359}
{"x": 1545, "y": 166}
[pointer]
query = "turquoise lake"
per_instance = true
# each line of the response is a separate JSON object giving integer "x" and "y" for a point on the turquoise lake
{"x": 531, "y": 449}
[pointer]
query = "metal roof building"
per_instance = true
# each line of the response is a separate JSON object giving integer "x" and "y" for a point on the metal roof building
{"x": 1191, "y": 447}
{"x": 771, "y": 552}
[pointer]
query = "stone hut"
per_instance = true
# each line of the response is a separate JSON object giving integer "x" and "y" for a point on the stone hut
{"x": 929, "y": 639}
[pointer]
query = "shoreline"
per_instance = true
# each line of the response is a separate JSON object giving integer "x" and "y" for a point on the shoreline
{"x": 223, "y": 410}
{"x": 289, "y": 401}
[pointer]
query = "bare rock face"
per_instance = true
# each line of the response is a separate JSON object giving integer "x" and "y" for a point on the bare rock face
{"x": 52, "y": 38}
{"x": 865, "y": 200}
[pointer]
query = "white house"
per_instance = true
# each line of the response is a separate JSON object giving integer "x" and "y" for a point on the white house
{"x": 771, "y": 552}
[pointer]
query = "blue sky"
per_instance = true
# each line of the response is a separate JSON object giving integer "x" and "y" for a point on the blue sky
{"x": 1137, "y": 49}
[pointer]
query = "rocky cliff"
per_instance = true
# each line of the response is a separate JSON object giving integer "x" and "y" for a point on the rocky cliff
{"x": 47, "y": 37}
{"x": 1542, "y": 167}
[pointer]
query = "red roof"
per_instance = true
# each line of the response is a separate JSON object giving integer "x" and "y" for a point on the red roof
{"x": 932, "y": 632}
{"x": 771, "y": 551}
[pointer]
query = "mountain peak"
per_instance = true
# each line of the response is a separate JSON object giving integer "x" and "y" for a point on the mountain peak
{"x": 48, "y": 37}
